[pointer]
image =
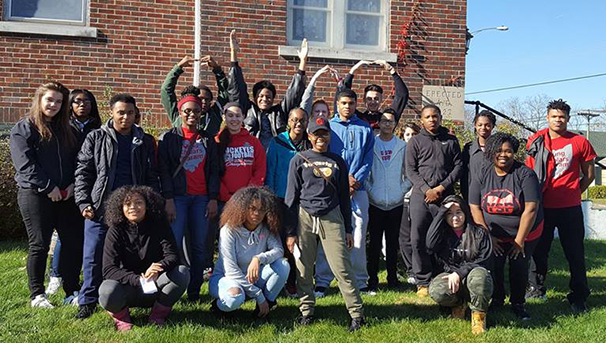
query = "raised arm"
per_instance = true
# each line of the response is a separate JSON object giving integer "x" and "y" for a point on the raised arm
{"x": 167, "y": 92}
{"x": 308, "y": 96}
{"x": 236, "y": 88}
{"x": 400, "y": 98}
{"x": 295, "y": 90}
{"x": 222, "y": 83}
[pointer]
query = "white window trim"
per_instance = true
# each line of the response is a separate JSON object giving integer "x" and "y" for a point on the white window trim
{"x": 336, "y": 46}
{"x": 48, "y": 26}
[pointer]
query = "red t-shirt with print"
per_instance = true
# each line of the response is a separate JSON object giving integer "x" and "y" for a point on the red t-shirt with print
{"x": 569, "y": 151}
{"x": 194, "y": 165}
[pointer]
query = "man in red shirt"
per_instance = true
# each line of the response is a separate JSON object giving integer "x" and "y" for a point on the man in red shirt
{"x": 567, "y": 156}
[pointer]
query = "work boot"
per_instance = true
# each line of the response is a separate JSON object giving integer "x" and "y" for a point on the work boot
{"x": 478, "y": 322}
{"x": 122, "y": 320}
{"x": 159, "y": 313}
{"x": 458, "y": 312}
{"x": 422, "y": 291}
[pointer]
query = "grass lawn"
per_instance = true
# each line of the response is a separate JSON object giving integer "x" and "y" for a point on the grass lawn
{"x": 392, "y": 316}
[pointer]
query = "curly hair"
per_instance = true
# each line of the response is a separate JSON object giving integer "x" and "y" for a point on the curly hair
{"x": 559, "y": 105}
{"x": 190, "y": 90}
{"x": 259, "y": 86}
{"x": 236, "y": 209}
{"x": 494, "y": 143}
{"x": 486, "y": 113}
{"x": 154, "y": 206}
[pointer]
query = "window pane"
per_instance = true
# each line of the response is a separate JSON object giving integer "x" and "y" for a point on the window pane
{"x": 373, "y": 6}
{"x": 363, "y": 29}
{"x": 309, "y": 24}
{"x": 48, "y": 9}
{"x": 312, "y": 3}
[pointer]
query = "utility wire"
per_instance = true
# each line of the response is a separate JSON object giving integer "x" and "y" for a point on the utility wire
{"x": 537, "y": 84}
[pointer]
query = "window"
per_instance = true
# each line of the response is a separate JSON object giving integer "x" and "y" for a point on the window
{"x": 339, "y": 24}
{"x": 47, "y": 17}
{"x": 69, "y": 12}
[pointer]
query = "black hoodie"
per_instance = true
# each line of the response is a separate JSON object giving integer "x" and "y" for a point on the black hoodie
{"x": 433, "y": 160}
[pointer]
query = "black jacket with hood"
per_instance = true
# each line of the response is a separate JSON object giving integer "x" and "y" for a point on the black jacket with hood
{"x": 97, "y": 160}
{"x": 459, "y": 255}
{"x": 169, "y": 158}
{"x": 433, "y": 160}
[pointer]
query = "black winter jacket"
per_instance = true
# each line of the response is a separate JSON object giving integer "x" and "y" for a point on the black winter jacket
{"x": 169, "y": 158}
{"x": 277, "y": 114}
{"x": 41, "y": 165}
{"x": 433, "y": 160}
{"x": 96, "y": 165}
{"x": 82, "y": 132}
{"x": 461, "y": 256}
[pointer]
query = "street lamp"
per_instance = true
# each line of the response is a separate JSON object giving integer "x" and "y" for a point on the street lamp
{"x": 469, "y": 35}
{"x": 589, "y": 115}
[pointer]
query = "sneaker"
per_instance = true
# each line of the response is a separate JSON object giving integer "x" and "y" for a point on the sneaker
{"x": 520, "y": 311}
{"x": 305, "y": 320}
{"x": 41, "y": 301}
{"x": 85, "y": 311}
{"x": 578, "y": 307}
{"x": 422, "y": 291}
{"x": 320, "y": 292}
{"x": 368, "y": 291}
{"x": 356, "y": 324}
{"x": 71, "y": 300}
{"x": 533, "y": 293}
{"x": 208, "y": 272}
{"x": 411, "y": 280}
{"x": 54, "y": 285}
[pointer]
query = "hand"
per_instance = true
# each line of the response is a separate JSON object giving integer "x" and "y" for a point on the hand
{"x": 320, "y": 71}
{"x": 263, "y": 309}
{"x": 517, "y": 249}
{"x": 303, "y": 53}
{"x": 212, "y": 209}
{"x": 252, "y": 274}
{"x": 186, "y": 62}
{"x": 210, "y": 62}
{"x": 448, "y": 205}
{"x": 233, "y": 45}
{"x": 153, "y": 271}
{"x": 70, "y": 191}
{"x": 290, "y": 244}
{"x": 454, "y": 280}
{"x": 353, "y": 183}
{"x": 497, "y": 249}
{"x": 171, "y": 210}
{"x": 358, "y": 65}
{"x": 432, "y": 196}
{"x": 88, "y": 213}
{"x": 335, "y": 74}
{"x": 55, "y": 194}
{"x": 385, "y": 65}
{"x": 349, "y": 240}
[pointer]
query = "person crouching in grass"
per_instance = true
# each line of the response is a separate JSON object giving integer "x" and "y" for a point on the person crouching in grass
{"x": 139, "y": 252}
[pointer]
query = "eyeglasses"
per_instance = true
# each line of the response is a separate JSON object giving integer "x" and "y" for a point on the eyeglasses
{"x": 388, "y": 122}
{"x": 82, "y": 102}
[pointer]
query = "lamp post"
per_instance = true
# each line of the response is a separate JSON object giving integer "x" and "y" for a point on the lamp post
{"x": 197, "y": 41}
{"x": 589, "y": 115}
{"x": 470, "y": 35}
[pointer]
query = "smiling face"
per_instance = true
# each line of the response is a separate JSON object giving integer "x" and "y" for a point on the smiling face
{"x": 233, "y": 119}
{"x": 455, "y": 217}
{"x": 320, "y": 140}
{"x": 190, "y": 114}
{"x": 123, "y": 115}
{"x": 50, "y": 103}
{"x": 483, "y": 127}
{"x": 431, "y": 120}
{"x": 557, "y": 121}
{"x": 134, "y": 208}
{"x": 265, "y": 99}
{"x": 254, "y": 215}
{"x": 81, "y": 107}
{"x": 504, "y": 157}
{"x": 297, "y": 122}
{"x": 373, "y": 100}
{"x": 320, "y": 110}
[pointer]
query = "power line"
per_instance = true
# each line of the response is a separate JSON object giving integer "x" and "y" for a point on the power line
{"x": 537, "y": 84}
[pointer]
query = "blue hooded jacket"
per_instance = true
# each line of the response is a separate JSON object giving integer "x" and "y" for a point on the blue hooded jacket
{"x": 354, "y": 141}
{"x": 279, "y": 153}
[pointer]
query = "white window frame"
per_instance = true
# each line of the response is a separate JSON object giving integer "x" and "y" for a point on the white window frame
{"x": 43, "y": 26}
{"x": 336, "y": 46}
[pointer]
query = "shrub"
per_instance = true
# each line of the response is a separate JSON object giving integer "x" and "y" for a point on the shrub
{"x": 597, "y": 192}
{"x": 11, "y": 225}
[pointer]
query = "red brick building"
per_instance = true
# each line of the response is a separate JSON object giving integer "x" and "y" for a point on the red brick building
{"x": 129, "y": 45}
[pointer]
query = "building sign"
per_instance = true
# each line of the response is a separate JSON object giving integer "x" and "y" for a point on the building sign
{"x": 451, "y": 100}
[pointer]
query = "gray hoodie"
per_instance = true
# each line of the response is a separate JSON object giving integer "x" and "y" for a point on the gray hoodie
{"x": 237, "y": 247}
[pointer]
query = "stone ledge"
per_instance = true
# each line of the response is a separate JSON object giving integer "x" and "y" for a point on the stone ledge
{"x": 328, "y": 53}
{"x": 48, "y": 29}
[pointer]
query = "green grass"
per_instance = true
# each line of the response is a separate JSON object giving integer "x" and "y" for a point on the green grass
{"x": 392, "y": 316}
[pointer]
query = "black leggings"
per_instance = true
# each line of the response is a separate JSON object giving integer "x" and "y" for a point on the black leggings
{"x": 383, "y": 221}
{"x": 518, "y": 273}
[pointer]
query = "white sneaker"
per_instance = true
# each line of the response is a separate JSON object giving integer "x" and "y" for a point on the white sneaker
{"x": 71, "y": 300}
{"x": 41, "y": 301}
{"x": 411, "y": 280}
{"x": 54, "y": 285}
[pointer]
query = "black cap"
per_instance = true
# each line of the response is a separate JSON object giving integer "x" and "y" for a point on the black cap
{"x": 318, "y": 123}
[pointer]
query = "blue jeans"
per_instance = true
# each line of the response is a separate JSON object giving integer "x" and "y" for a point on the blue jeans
{"x": 271, "y": 280}
{"x": 92, "y": 262}
{"x": 54, "y": 267}
{"x": 191, "y": 219}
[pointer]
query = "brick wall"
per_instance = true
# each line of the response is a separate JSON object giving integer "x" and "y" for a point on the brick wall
{"x": 139, "y": 41}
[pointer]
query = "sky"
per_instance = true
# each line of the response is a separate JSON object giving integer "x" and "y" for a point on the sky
{"x": 546, "y": 40}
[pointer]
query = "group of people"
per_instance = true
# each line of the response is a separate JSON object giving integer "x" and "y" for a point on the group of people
{"x": 291, "y": 190}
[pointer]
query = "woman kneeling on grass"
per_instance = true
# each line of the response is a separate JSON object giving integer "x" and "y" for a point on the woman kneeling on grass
{"x": 140, "y": 259}
{"x": 250, "y": 263}
{"x": 464, "y": 250}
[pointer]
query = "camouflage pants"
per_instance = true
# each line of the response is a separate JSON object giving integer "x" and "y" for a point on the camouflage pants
{"x": 476, "y": 289}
